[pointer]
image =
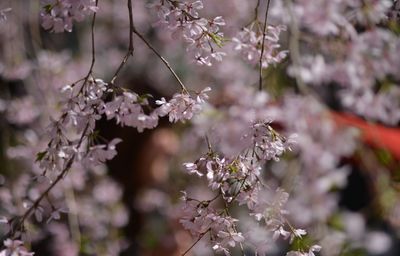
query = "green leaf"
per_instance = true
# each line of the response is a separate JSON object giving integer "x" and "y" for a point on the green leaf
{"x": 354, "y": 252}
{"x": 384, "y": 156}
{"x": 233, "y": 168}
{"x": 301, "y": 243}
{"x": 40, "y": 156}
{"x": 218, "y": 40}
{"x": 394, "y": 27}
{"x": 336, "y": 222}
{"x": 48, "y": 8}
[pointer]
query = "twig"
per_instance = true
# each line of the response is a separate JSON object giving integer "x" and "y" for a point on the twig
{"x": 263, "y": 44}
{"x": 93, "y": 44}
{"x": 198, "y": 239}
{"x": 256, "y": 10}
{"x": 130, "y": 26}
{"x": 208, "y": 144}
{"x": 130, "y": 47}
{"x": 93, "y": 51}
{"x": 161, "y": 58}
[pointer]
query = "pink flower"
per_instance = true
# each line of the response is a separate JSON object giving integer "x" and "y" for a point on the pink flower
{"x": 182, "y": 106}
{"x": 249, "y": 43}
{"x": 58, "y": 15}
{"x": 14, "y": 247}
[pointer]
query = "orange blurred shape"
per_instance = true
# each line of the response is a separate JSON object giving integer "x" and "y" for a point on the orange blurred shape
{"x": 373, "y": 134}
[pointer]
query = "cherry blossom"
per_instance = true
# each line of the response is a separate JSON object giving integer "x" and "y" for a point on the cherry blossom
{"x": 128, "y": 110}
{"x": 182, "y": 106}
{"x": 14, "y": 247}
{"x": 267, "y": 167}
{"x": 203, "y": 36}
{"x": 58, "y": 15}
{"x": 249, "y": 43}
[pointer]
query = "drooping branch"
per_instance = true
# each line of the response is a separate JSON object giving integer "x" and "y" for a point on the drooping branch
{"x": 130, "y": 47}
{"x": 262, "y": 46}
{"x": 166, "y": 63}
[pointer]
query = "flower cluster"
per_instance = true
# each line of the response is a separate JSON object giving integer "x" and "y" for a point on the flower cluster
{"x": 268, "y": 144}
{"x": 14, "y": 247}
{"x": 249, "y": 43}
{"x": 82, "y": 109}
{"x": 182, "y": 106}
{"x": 331, "y": 17}
{"x": 85, "y": 105}
{"x": 128, "y": 110}
{"x": 58, "y": 15}
{"x": 238, "y": 180}
{"x": 201, "y": 219}
{"x": 74, "y": 142}
{"x": 370, "y": 12}
{"x": 360, "y": 63}
{"x": 202, "y": 35}
{"x": 369, "y": 76}
{"x": 366, "y": 72}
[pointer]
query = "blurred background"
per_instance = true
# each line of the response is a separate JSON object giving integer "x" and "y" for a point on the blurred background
{"x": 343, "y": 176}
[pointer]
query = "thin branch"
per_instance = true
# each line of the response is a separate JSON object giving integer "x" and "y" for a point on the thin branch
{"x": 198, "y": 239}
{"x": 93, "y": 50}
{"x": 208, "y": 144}
{"x": 93, "y": 44}
{"x": 133, "y": 30}
{"x": 256, "y": 10}
{"x": 130, "y": 27}
{"x": 130, "y": 47}
{"x": 263, "y": 44}
{"x": 161, "y": 58}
